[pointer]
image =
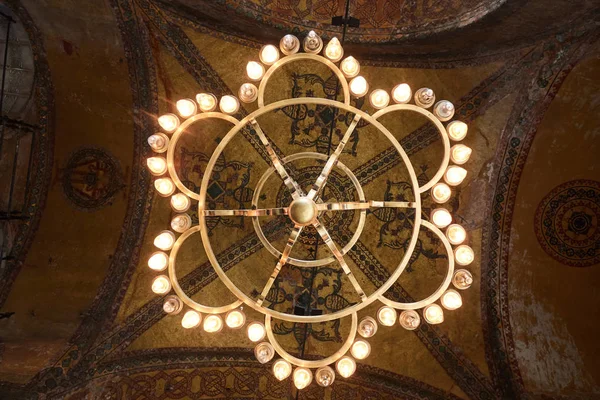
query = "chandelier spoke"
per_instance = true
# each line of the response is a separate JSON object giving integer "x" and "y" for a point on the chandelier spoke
{"x": 363, "y": 205}
{"x": 259, "y": 212}
{"x": 282, "y": 260}
{"x": 322, "y": 179}
{"x": 295, "y": 190}
{"x": 340, "y": 258}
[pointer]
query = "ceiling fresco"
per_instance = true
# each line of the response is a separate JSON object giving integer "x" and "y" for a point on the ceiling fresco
{"x": 78, "y": 319}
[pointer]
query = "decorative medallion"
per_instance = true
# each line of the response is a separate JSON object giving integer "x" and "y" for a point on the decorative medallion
{"x": 566, "y": 223}
{"x": 92, "y": 178}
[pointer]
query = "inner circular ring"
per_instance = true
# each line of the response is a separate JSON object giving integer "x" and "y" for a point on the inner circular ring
{"x": 320, "y": 261}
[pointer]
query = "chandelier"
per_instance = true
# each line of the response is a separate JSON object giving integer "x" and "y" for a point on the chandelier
{"x": 306, "y": 209}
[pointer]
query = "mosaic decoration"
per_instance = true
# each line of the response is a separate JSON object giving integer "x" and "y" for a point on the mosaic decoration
{"x": 566, "y": 223}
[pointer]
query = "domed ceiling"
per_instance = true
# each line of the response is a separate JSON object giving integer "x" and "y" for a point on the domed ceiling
{"x": 77, "y": 317}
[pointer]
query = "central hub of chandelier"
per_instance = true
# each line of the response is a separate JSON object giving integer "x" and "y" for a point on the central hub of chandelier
{"x": 306, "y": 209}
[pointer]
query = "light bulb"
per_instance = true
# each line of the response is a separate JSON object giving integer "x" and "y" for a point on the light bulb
{"x": 433, "y": 314}
{"x": 312, "y": 43}
{"x": 159, "y": 142}
{"x": 289, "y": 44}
{"x": 206, "y": 101}
{"x": 181, "y": 223}
{"x": 455, "y": 175}
{"x": 360, "y": 349}
{"x": 325, "y": 376}
{"x": 367, "y": 327}
{"x": 264, "y": 352}
{"x": 424, "y": 97}
{"x": 302, "y": 378}
{"x": 451, "y": 299}
{"x": 387, "y": 316}
{"x": 269, "y": 54}
{"x": 169, "y": 122}
{"x": 441, "y": 193}
{"x": 457, "y": 130}
{"x": 379, "y": 98}
{"x": 172, "y": 305}
{"x": 359, "y": 86}
{"x": 462, "y": 279}
{"x": 255, "y": 71}
{"x": 459, "y": 153}
{"x": 158, "y": 261}
{"x": 443, "y": 110}
{"x": 164, "y": 186}
{"x": 464, "y": 255}
{"x": 345, "y": 366}
{"x": 402, "y": 93}
{"x": 350, "y": 67}
{"x": 165, "y": 240}
{"x": 409, "y": 319}
{"x": 180, "y": 202}
{"x": 256, "y": 331}
{"x": 456, "y": 234}
{"x": 235, "y": 319}
{"x": 441, "y": 217}
{"x": 157, "y": 165}
{"x": 248, "y": 92}
{"x": 161, "y": 284}
{"x": 186, "y": 107}
{"x": 334, "y": 50}
{"x": 191, "y": 319}
{"x": 213, "y": 323}
{"x": 229, "y": 104}
{"x": 282, "y": 369}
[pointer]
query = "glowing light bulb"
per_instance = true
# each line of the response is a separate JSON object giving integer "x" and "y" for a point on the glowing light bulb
{"x": 159, "y": 142}
{"x": 455, "y": 175}
{"x": 409, "y": 319}
{"x": 264, "y": 352}
{"x": 235, "y": 319}
{"x": 181, "y": 223}
{"x": 165, "y": 240}
{"x": 359, "y": 86}
{"x": 387, "y": 316}
{"x": 248, "y": 92}
{"x": 157, "y": 165}
{"x": 367, "y": 327}
{"x": 350, "y": 67}
{"x": 312, "y": 43}
{"x": 345, "y": 366}
{"x": 441, "y": 193}
{"x": 451, "y": 299}
{"x": 456, "y": 234}
{"x": 402, "y": 93}
{"x": 172, "y": 305}
{"x": 379, "y": 98}
{"x": 255, "y": 71}
{"x": 191, "y": 319}
{"x": 441, "y": 217}
{"x": 457, "y": 130}
{"x": 459, "y": 153}
{"x": 462, "y": 279}
{"x": 302, "y": 378}
{"x": 443, "y": 110}
{"x": 161, "y": 284}
{"x": 289, "y": 44}
{"x": 334, "y": 50}
{"x": 464, "y": 255}
{"x": 206, "y": 101}
{"x": 424, "y": 97}
{"x": 433, "y": 314}
{"x": 229, "y": 104}
{"x": 158, "y": 261}
{"x": 169, "y": 122}
{"x": 269, "y": 54}
{"x": 360, "y": 349}
{"x": 186, "y": 107}
{"x": 164, "y": 186}
{"x": 325, "y": 376}
{"x": 256, "y": 331}
{"x": 213, "y": 323}
{"x": 282, "y": 369}
{"x": 180, "y": 202}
